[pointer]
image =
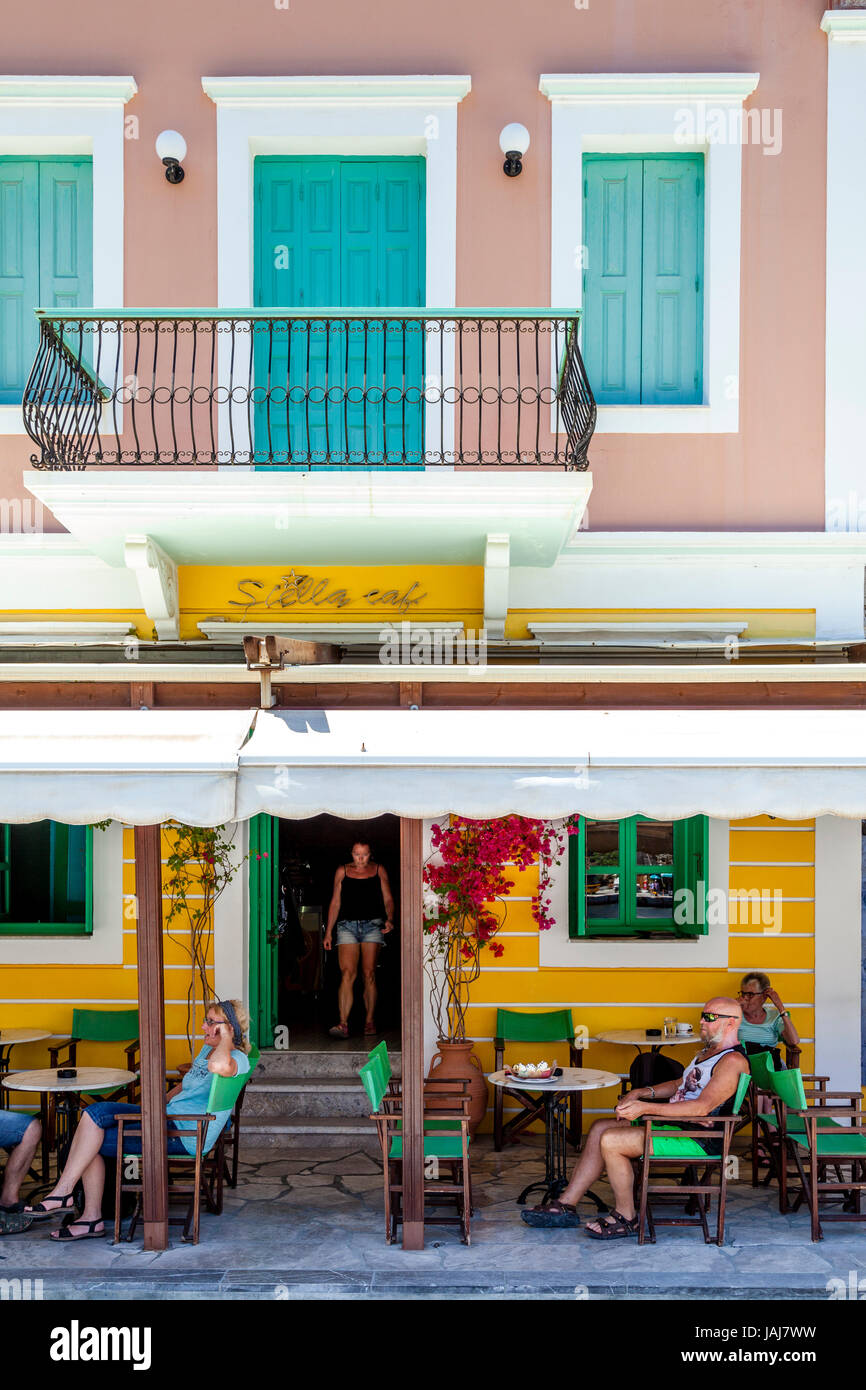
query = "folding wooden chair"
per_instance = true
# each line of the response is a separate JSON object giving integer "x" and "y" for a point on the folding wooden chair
{"x": 545, "y": 1029}
{"x": 824, "y": 1137}
{"x": 668, "y": 1147}
{"x": 446, "y": 1144}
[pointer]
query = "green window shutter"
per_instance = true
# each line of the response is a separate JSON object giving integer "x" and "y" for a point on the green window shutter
{"x": 19, "y": 274}
{"x": 691, "y": 860}
{"x": 401, "y": 262}
{"x": 673, "y": 263}
{"x": 47, "y": 880}
{"x": 613, "y": 216}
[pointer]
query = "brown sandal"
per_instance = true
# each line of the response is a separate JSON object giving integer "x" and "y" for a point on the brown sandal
{"x": 613, "y": 1226}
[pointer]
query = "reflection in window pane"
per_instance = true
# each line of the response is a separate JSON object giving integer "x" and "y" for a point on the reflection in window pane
{"x": 602, "y": 896}
{"x": 655, "y": 842}
{"x": 655, "y": 895}
{"x": 602, "y": 843}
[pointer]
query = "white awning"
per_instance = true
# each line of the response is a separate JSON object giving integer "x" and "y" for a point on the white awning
{"x": 548, "y": 763}
{"x": 137, "y": 766}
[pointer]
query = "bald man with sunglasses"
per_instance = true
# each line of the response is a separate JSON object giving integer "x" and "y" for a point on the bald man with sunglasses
{"x": 705, "y": 1089}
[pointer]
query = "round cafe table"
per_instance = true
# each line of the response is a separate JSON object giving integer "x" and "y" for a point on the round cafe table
{"x": 555, "y": 1093}
{"x": 65, "y": 1090}
{"x": 639, "y": 1037}
{"x": 8, "y": 1038}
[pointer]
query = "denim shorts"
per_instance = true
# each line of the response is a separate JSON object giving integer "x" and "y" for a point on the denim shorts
{"x": 12, "y": 1127}
{"x": 361, "y": 933}
{"x": 105, "y": 1112}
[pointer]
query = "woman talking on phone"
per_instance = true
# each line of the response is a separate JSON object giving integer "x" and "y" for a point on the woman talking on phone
{"x": 362, "y": 910}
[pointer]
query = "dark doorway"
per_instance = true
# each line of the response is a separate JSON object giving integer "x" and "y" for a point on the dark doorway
{"x": 310, "y": 852}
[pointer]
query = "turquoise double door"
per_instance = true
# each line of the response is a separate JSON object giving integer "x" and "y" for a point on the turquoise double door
{"x": 339, "y": 233}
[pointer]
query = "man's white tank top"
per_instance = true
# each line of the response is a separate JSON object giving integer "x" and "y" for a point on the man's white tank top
{"x": 697, "y": 1075}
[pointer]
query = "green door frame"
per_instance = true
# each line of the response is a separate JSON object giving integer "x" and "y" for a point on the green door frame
{"x": 264, "y": 908}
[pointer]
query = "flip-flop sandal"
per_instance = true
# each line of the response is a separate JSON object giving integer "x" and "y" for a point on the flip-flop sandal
{"x": 64, "y": 1232}
{"x": 370, "y": 1030}
{"x": 613, "y": 1227}
{"x": 551, "y": 1215}
{"x": 340, "y": 1030}
{"x": 39, "y": 1212}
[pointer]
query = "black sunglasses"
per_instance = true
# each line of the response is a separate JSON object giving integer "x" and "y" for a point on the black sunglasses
{"x": 711, "y": 1018}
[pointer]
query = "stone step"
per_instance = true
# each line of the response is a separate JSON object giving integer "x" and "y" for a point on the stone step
{"x": 312, "y": 1096}
{"x": 284, "y": 1065}
{"x": 322, "y": 1132}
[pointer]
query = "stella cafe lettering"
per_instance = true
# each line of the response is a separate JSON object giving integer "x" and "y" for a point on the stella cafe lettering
{"x": 305, "y": 590}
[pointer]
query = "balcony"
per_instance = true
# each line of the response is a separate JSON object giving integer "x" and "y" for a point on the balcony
{"x": 390, "y": 389}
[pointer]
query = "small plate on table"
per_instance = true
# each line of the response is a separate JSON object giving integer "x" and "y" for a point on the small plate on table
{"x": 541, "y": 1080}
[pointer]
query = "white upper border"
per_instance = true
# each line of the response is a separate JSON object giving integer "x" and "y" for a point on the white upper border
{"x": 648, "y": 86}
{"x": 635, "y": 113}
{"x": 274, "y": 91}
{"x": 67, "y": 91}
{"x": 845, "y": 26}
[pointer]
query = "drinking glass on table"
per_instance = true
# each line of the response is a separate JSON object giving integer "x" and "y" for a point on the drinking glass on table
{"x": 670, "y": 1027}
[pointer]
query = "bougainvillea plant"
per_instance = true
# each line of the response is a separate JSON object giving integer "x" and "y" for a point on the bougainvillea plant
{"x": 200, "y": 864}
{"x": 466, "y": 882}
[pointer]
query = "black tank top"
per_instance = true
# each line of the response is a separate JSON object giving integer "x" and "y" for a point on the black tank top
{"x": 361, "y": 899}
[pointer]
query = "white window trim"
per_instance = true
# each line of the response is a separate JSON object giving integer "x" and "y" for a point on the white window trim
{"x": 616, "y": 113}
{"x": 845, "y": 352}
{"x": 558, "y": 950}
{"x": 403, "y": 115}
{"x": 74, "y": 115}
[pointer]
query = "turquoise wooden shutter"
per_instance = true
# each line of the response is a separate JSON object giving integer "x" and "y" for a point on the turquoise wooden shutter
{"x": 352, "y": 231}
{"x": 401, "y": 241}
{"x": 613, "y": 217}
{"x": 66, "y": 234}
{"x": 673, "y": 260}
{"x": 19, "y": 274}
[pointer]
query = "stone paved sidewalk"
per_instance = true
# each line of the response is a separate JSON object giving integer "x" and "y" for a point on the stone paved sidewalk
{"x": 311, "y": 1225}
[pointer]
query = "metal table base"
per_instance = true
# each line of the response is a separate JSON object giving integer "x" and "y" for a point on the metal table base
{"x": 555, "y": 1178}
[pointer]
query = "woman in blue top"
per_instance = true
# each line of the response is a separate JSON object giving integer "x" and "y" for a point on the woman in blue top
{"x": 224, "y": 1054}
{"x": 765, "y": 1018}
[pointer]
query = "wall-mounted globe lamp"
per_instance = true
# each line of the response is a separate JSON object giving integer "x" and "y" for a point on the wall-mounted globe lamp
{"x": 171, "y": 148}
{"x": 513, "y": 142}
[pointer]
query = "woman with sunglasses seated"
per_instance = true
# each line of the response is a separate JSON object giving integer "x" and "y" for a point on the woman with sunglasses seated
{"x": 224, "y": 1054}
{"x": 765, "y": 1018}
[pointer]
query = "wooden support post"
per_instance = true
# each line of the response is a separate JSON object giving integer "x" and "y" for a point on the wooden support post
{"x": 412, "y": 965}
{"x": 151, "y": 1006}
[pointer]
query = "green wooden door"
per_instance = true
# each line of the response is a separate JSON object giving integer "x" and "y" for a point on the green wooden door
{"x": 46, "y": 254}
{"x": 340, "y": 233}
{"x": 264, "y": 911}
{"x": 643, "y": 279}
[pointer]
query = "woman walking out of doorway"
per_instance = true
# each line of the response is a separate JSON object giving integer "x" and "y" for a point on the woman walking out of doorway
{"x": 362, "y": 909}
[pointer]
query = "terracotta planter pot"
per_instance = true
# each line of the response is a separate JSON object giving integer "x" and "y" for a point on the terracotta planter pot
{"x": 456, "y": 1061}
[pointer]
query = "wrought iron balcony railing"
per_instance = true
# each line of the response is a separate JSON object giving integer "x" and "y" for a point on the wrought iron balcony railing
{"x": 349, "y": 388}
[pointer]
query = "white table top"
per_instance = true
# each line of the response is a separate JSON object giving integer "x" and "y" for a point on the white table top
{"x": 8, "y": 1036}
{"x": 638, "y": 1037}
{"x": 572, "y": 1079}
{"x": 87, "y": 1079}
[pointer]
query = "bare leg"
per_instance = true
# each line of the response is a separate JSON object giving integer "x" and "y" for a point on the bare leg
{"x": 590, "y": 1165}
{"x": 618, "y": 1147}
{"x": 85, "y": 1146}
{"x": 348, "y": 958}
{"x": 19, "y": 1162}
{"x": 93, "y": 1178}
{"x": 369, "y": 954}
